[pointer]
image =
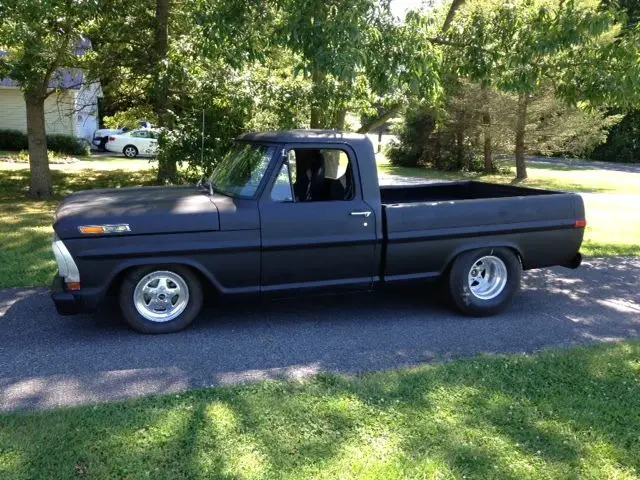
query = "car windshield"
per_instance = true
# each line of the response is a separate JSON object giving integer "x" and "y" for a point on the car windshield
{"x": 241, "y": 170}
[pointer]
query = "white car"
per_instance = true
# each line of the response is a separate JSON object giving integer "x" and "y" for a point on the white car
{"x": 101, "y": 136}
{"x": 134, "y": 143}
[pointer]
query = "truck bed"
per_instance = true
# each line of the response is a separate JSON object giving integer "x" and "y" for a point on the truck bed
{"x": 427, "y": 225}
{"x": 454, "y": 191}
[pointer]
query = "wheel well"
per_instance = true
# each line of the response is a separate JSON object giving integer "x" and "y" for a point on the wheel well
{"x": 514, "y": 250}
{"x": 207, "y": 285}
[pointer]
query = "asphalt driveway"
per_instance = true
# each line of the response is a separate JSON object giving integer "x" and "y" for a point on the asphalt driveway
{"x": 47, "y": 360}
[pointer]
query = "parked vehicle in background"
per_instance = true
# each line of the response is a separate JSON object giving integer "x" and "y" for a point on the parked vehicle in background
{"x": 135, "y": 143}
{"x": 101, "y": 136}
{"x": 303, "y": 211}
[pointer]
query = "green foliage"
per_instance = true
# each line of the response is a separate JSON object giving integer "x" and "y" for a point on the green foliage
{"x": 557, "y": 129}
{"x": 41, "y": 36}
{"x": 67, "y": 144}
{"x": 14, "y": 140}
{"x": 623, "y": 141}
{"x": 519, "y": 46}
{"x": 227, "y": 108}
{"x": 451, "y": 137}
{"x": 414, "y": 146}
{"x": 130, "y": 118}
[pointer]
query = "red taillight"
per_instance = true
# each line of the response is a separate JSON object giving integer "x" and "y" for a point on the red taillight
{"x": 112, "y": 139}
{"x": 581, "y": 223}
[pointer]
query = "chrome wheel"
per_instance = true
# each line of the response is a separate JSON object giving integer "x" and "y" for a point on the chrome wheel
{"x": 487, "y": 277}
{"x": 161, "y": 296}
{"x": 130, "y": 152}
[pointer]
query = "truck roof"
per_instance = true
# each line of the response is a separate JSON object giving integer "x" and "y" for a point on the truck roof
{"x": 302, "y": 136}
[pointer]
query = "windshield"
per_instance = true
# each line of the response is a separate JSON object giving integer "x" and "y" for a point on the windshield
{"x": 241, "y": 170}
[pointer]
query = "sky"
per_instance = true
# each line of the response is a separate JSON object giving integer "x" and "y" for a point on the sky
{"x": 400, "y": 7}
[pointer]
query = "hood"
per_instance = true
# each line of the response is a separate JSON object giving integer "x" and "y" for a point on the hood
{"x": 147, "y": 210}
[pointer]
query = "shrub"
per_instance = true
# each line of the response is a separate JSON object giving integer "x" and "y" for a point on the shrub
{"x": 15, "y": 140}
{"x": 415, "y": 143}
{"x": 623, "y": 142}
{"x": 67, "y": 144}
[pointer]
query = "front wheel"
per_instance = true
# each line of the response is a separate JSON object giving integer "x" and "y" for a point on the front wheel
{"x": 130, "y": 151}
{"x": 161, "y": 299}
{"x": 482, "y": 282}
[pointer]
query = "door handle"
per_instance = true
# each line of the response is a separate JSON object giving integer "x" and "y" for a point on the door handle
{"x": 360, "y": 214}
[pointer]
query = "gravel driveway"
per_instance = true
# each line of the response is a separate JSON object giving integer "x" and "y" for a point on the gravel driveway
{"x": 47, "y": 360}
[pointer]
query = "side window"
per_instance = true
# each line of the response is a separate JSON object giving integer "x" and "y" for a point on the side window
{"x": 323, "y": 175}
{"x": 282, "y": 190}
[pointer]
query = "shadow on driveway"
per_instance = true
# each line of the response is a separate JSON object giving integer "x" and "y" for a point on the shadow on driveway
{"x": 47, "y": 360}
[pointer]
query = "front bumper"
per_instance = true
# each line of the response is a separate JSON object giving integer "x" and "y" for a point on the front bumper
{"x": 72, "y": 303}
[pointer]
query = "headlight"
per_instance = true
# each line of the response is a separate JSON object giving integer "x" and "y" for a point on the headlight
{"x": 66, "y": 266}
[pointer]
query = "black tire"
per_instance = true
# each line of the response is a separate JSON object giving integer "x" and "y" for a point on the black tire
{"x": 144, "y": 325}
{"x": 132, "y": 149}
{"x": 463, "y": 297}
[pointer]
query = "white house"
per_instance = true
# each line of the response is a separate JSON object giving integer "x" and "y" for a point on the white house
{"x": 72, "y": 110}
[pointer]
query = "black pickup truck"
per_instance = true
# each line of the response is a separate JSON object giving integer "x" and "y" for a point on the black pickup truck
{"x": 302, "y": 211}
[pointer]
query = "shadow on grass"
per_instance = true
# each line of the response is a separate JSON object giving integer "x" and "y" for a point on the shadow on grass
{"x": 556, "y": 415}
{"x": 25, "y": 225}
{"x": 14, "y": 184}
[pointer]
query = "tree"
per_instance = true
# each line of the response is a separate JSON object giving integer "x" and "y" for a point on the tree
{"x": 41, "y": 38}
{"x": 357, "y": 56}
{"x": 453, "y": 135}
{"x": 167, "y": 169}
{"x": 519, "y": 47}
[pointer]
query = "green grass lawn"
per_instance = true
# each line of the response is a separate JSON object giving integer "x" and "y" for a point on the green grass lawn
{"x": 613, "y": 220}
{"x": 25, "y": 225}
{"x": 550, "y": 177}
{"x": 560, "y": 414}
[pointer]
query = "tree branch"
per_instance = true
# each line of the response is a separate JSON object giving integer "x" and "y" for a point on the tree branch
{"x": 381, "y": 119}
{"x": 455, "y": 6}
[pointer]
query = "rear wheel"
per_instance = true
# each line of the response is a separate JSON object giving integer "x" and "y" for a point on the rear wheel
{"x": 482, "y": 282}
{"x": 130, "y": 151}
{"x": 162, "y": 299}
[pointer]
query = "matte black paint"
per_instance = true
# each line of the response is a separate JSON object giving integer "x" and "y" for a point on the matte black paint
{"x": 258, "y": 245}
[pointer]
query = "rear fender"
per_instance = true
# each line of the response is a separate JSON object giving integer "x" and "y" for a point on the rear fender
{"x": 479, "y": 244}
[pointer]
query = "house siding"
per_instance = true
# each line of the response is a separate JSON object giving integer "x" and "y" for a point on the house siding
{"x": 59, "y": 111}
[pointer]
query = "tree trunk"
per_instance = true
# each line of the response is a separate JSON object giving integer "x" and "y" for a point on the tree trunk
{"x": 167, "y": 168}
{"x": 40, "y": 185}
{"x": 521, "y": 123}
{"x": 339, "y": 119}
{"x": 317, "y": 85}
{"x": 486, "y": 132}
{"x": 462, "y": 158}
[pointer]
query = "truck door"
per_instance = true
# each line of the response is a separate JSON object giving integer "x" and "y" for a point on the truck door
{"x": 317, "y": 231}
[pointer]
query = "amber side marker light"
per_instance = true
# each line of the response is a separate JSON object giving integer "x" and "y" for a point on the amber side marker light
{"x": 100, "y": 229}
{"x": 73, "y": 286}
{"x": 581, "y": 223}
